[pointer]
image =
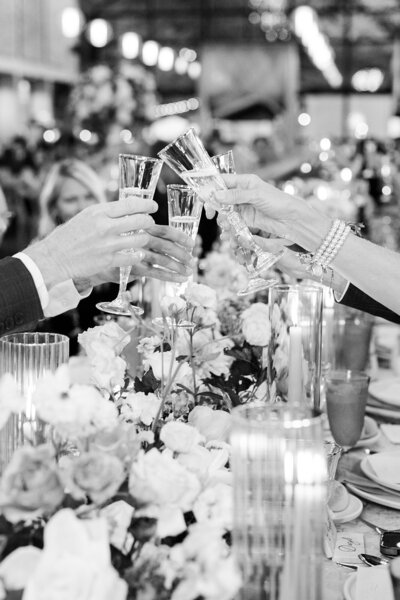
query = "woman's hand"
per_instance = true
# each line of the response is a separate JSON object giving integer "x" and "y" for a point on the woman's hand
{"x": 265, "y": 207}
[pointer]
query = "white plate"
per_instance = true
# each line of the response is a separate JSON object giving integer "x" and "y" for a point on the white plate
{"x": 386, "y": 391}
{"x": 382, "y": 499}
{"x": 371, "y": 433}
{"x": 383, "y": 412}
{"x": 352, "y": 511}
{"x": 349, "y": 589}
{"x": 368, "y": 469}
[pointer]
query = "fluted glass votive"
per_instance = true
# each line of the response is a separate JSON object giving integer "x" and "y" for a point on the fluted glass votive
{"x": 279, "y": 478}
{"x": 28, "y": 357}
{"x": 294, "y": 351}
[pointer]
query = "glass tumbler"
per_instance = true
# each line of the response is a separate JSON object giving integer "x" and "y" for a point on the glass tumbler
{"x": 279, "y": 479}
{"x": 28, "y": 357}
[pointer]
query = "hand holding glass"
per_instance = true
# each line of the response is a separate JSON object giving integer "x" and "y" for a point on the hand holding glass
{"x": 225, "y": 164}
{"x": 138, "y": 176}
{"x": 190, "y": 160}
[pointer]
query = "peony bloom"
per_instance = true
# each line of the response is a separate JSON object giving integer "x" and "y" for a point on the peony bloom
{"x": 147, "y": 345}
{"x": 122, "y": 442}
{"x": 180, "y": 437}
{"x": 31, "y": 485}
{"x": 94, "y": 474}
{"x": 157, "y": 479}
{"x": 256, "y": 325}
{"x": 172, "y": 305}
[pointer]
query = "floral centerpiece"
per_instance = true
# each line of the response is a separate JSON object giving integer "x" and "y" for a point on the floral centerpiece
{"x": 131, "y": 494}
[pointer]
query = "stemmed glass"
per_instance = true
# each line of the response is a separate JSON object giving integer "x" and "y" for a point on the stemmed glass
{"x": 346, "y": 398}
{"x": 225, "y": 164}
{"x": 184, "y": 212}
{"x": 138, "y": 176}
{"x": 190, "y": 160}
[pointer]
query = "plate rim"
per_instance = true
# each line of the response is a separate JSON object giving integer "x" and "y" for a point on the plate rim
{"x": 373, "y": 498}
{"x": 367, "y": 471}
{"x": 383, "y": 382}
{"x": 356, "y": 512}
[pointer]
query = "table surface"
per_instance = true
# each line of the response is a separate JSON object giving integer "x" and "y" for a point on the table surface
{"x": 335, "y": 575}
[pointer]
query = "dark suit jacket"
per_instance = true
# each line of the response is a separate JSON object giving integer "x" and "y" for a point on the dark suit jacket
{"x": 20, "y": 305}
{"x": 358, "y": 299}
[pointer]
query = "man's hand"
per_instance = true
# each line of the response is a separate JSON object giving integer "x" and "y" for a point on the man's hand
{"x": 94, "y": 241}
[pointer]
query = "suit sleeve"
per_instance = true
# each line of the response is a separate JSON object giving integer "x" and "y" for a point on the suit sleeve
{"x": 355, "y": 298}
{"x": 20, "y": 305}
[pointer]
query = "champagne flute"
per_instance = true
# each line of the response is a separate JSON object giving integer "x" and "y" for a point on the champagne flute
{"x": 189, "y": 159}
{"x": 184, "y": 212}
{"x": 225, "y": 164}
{"x": 138, "y": 176}
{"x": 346, "y": 399}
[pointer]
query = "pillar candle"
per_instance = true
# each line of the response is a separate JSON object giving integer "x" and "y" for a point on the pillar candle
{"x": 295, "y": 365}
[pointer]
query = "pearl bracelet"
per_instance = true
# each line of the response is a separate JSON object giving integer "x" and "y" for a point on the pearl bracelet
{"x": 319, "y": 262}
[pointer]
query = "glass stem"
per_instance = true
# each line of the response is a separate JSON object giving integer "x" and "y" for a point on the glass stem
{"x": 124, "y": 273}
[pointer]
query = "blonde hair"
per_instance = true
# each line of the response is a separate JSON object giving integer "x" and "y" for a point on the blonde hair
{"x": 72, "y": 168}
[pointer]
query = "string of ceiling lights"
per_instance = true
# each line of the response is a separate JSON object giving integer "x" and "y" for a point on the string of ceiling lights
{"x": 99, "y": 33}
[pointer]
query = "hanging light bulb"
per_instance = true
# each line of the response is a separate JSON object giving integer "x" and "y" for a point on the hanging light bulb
{"x": 99, "y": 33}
{"x": 150, "y": 51}
{"x": 181, "y": 65}
{"x": 166, "y": 59}
{"x": 130, "y": 44}
{"x": 194, "y": 70}
{"x": 71, "y": 22}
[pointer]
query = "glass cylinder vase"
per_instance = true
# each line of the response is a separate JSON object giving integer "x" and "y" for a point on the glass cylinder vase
{"x": 28, "y": 357}
{"x": 279, "y": 478}
{"x": 294, "y": 351}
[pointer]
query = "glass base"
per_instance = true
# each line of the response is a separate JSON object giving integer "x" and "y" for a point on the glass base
{"x": 256, "y": 285}
{"x": 265, "y": 260}
{"x": 183, "y": 323}
{"x": 122, "y": 309}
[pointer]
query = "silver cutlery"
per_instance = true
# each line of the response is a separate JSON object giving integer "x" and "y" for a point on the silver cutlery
{"x": 372, "y": 561}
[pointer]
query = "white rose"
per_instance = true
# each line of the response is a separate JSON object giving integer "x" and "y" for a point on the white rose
{"x": 199, "y": 294}
{"x": 256, "y": 325}
{"x": 110, "y": 336}
{"x": 215, "y": 504}
{"x": 147, "y": 345}
{"x": 160, "y": 362}
{"x": 157, "y": 479}
{"x": 180, "y": 437}
{"x": 212, "y": 424}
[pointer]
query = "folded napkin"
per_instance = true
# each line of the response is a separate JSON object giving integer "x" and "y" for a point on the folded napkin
{"x": 374, "y": 583}
{"x": 386, "y": 466}
{"x": 392, "y": 432}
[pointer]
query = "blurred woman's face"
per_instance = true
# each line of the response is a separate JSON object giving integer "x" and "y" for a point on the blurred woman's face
{"x": 73, "y": 198}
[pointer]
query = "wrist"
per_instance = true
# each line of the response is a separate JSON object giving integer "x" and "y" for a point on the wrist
{"x": 309, "y": 227}
{"x": 44, "y": 255}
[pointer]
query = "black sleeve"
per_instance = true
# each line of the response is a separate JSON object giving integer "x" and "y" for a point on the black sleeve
{"x": 355, "y": 298}
{"x": 20, "y": 305}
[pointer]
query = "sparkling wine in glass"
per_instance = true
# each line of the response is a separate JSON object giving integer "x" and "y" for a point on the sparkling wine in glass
{"x": 225, "y": 164}
{"x": 189, "y": 159}
{"x": 138, "y": 176}
{"x": 346, "y": 399}
{"x": 184, "y": 212}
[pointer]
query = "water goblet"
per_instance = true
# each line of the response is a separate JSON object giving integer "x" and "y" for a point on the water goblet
{"x": 346, "y": 399}
{"x": 138, "y": 176}
{"x": 189, "y": 159}
{"x": 225, "y": 164}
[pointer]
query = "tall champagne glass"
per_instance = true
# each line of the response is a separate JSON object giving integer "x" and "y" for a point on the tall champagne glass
{"x": 346, "y": 398}
{"x": 190, "y": 160}
{"x": 184, "y": 212}
{"x": 225, "y": 164}
{"x": 138, "y": 176}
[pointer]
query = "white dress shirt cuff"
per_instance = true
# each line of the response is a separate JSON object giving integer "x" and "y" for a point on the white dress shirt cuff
{"x": 340, "y": 295}
{"x": 36, "y": 276}
{"x": 64, "y": 296}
